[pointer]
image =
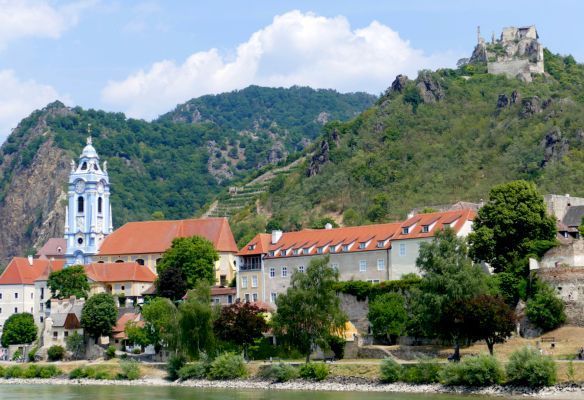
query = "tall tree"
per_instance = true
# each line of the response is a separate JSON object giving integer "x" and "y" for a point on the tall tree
{"x": 310, "y": 312}
{"x": 511, "y": 225}
{"x": 448, "y": 279}
{"x": 192, "y": 258}
{"x": 545, "y": 309}
{"x": 161, "y": 323}
{"x": 99, "y": 315}
{"x": 195, "y": 321}
{"x": 70, "y": 281}
{"x": 241, "y": 323}
{"x": 19, "y": 329}
{"x": 388, "y": 315}
{"x": 171, "y": 283}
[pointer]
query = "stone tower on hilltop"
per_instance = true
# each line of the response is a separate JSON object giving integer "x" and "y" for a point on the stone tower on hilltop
{"x": 88, "y": 217}
{"x": 517, "y": 53}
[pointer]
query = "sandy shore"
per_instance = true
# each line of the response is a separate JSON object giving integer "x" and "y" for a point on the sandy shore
{"x": 338, "y": 385}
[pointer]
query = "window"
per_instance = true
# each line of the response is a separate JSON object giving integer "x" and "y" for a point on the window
{"x": 16, "y": 295}
{"x": 80, "y": 204}
{"x": 284, "y": 272}
{"x": 158, "y": 261}
{"x": 272, "y": 272}
{"x": 99, "y": 204}
{"x": 273, "y": 297}
{"x": 223, "y": 280}
{"x": 320, "y": 250}
{"x": 229, "y": 299}
{"x": 345, "y": 247}
{"x": 244, "y": 282}
{"x": 335, "y": 266}
{"x": 84, "y": 166}
{"x": 123, "y": 287}
{"x": 66, "y": 333}
{"x": 405, "y": 230}
{"x": 332, "y": 249}
{"x": 402, "y": 249}
{"x": 1, "y": 311}
{"x": 80, "y": 240}
{"x": 254, "y": 281}
{"x": 272, "y": 253}
{"x": 140, "y": 261}
{"x": 306, "y": 250}
{"x": 0, "y": 296}
{"x": 295, "y": 252}
{"x": 362, "y": 245}
{"x": 301, "y": 268}
{"x": 55, "y": 334}
{"x": 42, "y": 293}
{"x": 42, "y": 318}
{"x": 380, "y": 264}
{"x": 251, "y": 247}
{"x": 119, "y": 261}
{"x": 362, "y": 266}
{"x": 380, "y": 243}
{"x": 254, "y": 297}
{"x": 425, "y": 229}
{"x": 15, "y": 310}
{"x": 373, "y": 280}
{"x": 32, "y": 296}
{"x": 247, "y": 297}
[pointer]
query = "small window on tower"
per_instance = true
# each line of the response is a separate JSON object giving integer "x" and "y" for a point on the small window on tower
{"x": 99, "y": 204}
{"x": 140, "y": 261}
{"x": 84, "y": 166}
{"x": 80, "y": 204}
{"x": 80, "y": 240}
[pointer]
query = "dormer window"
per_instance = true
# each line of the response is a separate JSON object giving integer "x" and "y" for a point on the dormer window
{"x": 362, "y": 245}
{"x": 425, "y": 228}
{"x": 405, "y": 230}
{"x": 272, "y": 253}
{"x": 380, "y": 244}
{"x": 295, "y": 252}
{"x": 305, "y": 250}
{"x": 59, "y": 249}
{"x": 251, "y": 247}
{"x": 320, "y": 250}
{"x": 333, "y": 249}
{"x": 345, "y": 247}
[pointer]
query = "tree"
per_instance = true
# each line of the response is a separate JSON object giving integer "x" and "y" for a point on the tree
{"x": 137, "y": 334}
{"x": 511, "y": 225}
{"x": 309, "y": 312}
{"x": 194, "y": 257}
{"x": 195, "y": 321}
{"x": 75, "y": 344}
{"x": 99, "y": 315}
{"x": 161, "y": 323}
{"x": 449, "y": 278}
{"x": 19, "y": 329}
{"x": 171, "y": 283}
{"x": 545, "y": 309}
{"x": 70, "y": 281}
{"x": 388, "y": 315}
{"x": 488, "y": 318}
{"x": 241, "y": 323}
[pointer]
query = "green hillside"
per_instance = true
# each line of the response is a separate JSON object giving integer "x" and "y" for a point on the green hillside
{"x": 448, "y": 135}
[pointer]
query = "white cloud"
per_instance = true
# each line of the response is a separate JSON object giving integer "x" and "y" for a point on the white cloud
{"x": 295, "y": 49}
{"x": 37, "y": 18}
{"x": 18, "y": 98}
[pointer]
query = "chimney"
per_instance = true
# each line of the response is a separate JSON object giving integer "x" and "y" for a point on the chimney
{"x": 328, "y": 226}
{"x": 30, "y": 259}
{"x": 276, "y": 235}
{"x": 411, "y": 214}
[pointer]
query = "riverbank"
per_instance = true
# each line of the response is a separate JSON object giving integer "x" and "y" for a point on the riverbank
{"x": 337, "y": 384}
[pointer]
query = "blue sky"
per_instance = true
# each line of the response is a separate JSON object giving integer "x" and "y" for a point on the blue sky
{"x": 144, "y": 57}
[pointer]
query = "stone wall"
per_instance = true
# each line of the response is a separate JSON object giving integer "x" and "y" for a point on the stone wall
{"x": 565, "y": 254}
{"x": 356, "y": 312}
{"x": 569, "y": 285}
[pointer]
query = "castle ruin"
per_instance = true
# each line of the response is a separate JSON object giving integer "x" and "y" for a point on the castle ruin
{"x": 517, "y": 53}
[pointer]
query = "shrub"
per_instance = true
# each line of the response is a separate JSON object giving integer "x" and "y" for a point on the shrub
{"x": 175, "y": 363}
{"x": 227, "y": 366}
{"x": 32, "y": 371}
{"x": 528, "y": 367}
{"x": 390, "y": 371}
{"x": 314, "y": 371}
{"x": 56, "y": 353}
{"x": 482, "y": 370}
{"x": 49, "y": 371}
{"x": 130, "y": 370}
{"x": 13, "y": 371}
{"x": 110, "y": 352}
{"x": 337, "y": 345}
{"x": 280, "y": 372}
{"x": 99, "y": 373}
{"x": 422, "y": 372}
{"x": 545, "y": 309}
{"x": 196, "y": 370}
{"x": 136, "y": 351}
{"x": 32, "y": 354}
{"x": 2, "y": 369}
{"x": 17, "y": 355}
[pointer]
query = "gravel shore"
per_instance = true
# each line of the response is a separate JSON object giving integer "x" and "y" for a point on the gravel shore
{"x": 335, "y": 385}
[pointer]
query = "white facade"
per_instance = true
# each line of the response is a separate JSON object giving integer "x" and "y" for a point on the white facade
{"x": 15, "y": 299}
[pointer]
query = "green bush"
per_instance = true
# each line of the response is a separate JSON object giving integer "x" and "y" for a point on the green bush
{"x": 528, "y": 367}
{"x": 422, "y": 372}
{"x": 110, "y": 352}
{"x": 13, "y": 371}
{"x": 175, "y": 363}
{"x": 482, "y": 370}
{"x": 130, "y": 370}
{"x": 227, "y": 366}
{"x": 56, "y": 353}
{"x": 32, "y": 371}
{"x": 2, "y": 369}
{"x": 337, "y": 345}
{"x": 314, "y": 371}
{"x": 196, "y": 370}
{"x": 17, "y": 355}
{"x": 545, "y": 309}
{"x": 390, "y": 371}
{"x": 32, "y": 354}
{"x": 279, "y": 372}
{"x": 49, "y": 371}
{"x": 98, "y": 373}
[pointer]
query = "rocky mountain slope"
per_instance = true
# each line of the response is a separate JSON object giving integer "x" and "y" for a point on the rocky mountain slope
{"x": 167, "y": 168}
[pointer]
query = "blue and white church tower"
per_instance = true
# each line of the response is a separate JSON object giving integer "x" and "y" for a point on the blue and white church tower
{"x": 88, "y": 217}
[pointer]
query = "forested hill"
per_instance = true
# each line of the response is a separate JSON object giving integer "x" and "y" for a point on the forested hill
{"x": 169, "y": 167}
{"x": 444, "y": 136}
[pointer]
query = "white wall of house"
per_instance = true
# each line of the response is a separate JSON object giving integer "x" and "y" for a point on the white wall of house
{"x": 15, "y": 299}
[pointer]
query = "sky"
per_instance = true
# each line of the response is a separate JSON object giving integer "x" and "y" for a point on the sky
{"x": 143, "y": 57}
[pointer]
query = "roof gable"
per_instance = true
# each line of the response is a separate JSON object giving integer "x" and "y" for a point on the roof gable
{"x": 20, "y": 272}
{"x": 119, "y": 272}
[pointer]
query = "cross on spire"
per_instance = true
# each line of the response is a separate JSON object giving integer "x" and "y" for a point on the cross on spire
{"x": 89, "y": 140}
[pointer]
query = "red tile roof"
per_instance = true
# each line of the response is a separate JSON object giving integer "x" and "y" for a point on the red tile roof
{"x": 119, "y": 272}
{"x": 222, "y": 291}
{"x": 359, "y": 238}
{"x": 20, "y": 272}
{"x": 54, "y": 247}
{"x": 156, "y": 236}
{"x": 118, "y": 331}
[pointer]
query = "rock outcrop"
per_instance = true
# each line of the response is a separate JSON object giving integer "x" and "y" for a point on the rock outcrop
{"x": 319, "y": 159}
{"x": 555, "y": 146}
{"x": 430, "y": 89}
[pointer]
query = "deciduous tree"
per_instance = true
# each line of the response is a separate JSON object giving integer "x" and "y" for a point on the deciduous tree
{"x": 99, "y": 315}
{"x": 388, "y": 315}
{"x": 195, "y": 321}
{"x": 19, "y": 329}
{"x": 161, "y": 323}
{"x": 70, "y": 281}
{"x": 241, "y": 323}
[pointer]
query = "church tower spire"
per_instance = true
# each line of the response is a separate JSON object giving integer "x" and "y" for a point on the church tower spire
{"x": 88, "y": 214}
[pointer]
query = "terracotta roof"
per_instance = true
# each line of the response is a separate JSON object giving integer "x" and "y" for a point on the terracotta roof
{"x": 20, "y": 272}
{"x": 222, "y": 291}
{"x": 54, "y": 247}
{"x": 118, "y": 331}
{"x": 358, "y": 238}
{"x": 156, "y": 236}
{"x": 119, "y": 272}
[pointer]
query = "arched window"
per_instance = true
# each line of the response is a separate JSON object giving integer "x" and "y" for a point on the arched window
{"x": 99, "y": 204}
{"x": 140, "y": 261}
{"x": 84, "y": 166}
{"x": 80, "y": 205}
{"x": 119, "y": 261}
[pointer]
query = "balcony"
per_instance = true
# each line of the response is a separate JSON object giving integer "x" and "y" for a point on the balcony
{"x": 253, "y": 263}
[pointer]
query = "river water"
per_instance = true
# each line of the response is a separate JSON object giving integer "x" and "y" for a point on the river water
{"x": 74, "y": 392}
